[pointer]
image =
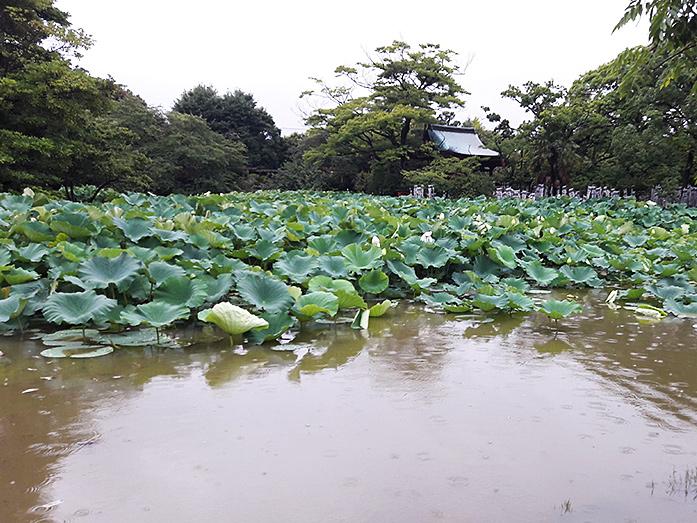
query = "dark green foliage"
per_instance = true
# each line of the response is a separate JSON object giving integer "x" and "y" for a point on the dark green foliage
{"x": 454, "y": 177}
{"x": 237, "y": 117}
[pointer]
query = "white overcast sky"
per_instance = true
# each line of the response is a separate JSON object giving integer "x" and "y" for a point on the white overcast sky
{"x": 161, "y": 48}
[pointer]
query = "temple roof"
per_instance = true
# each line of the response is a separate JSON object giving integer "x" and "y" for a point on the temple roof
{"x": 458, "y": 140}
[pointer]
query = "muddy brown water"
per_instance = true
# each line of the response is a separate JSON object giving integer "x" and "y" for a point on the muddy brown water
{"x": 424, "y": 417}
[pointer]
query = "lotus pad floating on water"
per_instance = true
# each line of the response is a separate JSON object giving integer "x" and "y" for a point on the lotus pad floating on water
{"x": 82, "y": 351}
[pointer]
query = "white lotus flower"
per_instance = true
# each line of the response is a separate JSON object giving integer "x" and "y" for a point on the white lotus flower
{"x": 28, "y": 192}
{"x": 427, "y": 237}
{"x": 376, "y": 241}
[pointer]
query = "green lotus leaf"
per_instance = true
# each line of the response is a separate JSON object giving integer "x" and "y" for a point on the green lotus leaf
{"x": 10, "y": 308}
{"x": 635, "y": 240}
{"x": 381, "y": 308}
{"x": 519, "y": 301}
{"x": 487, "y": 269}
{"x": 542, "y": 275}
{"x": 374, "y": 281}
{"x": 667, "y": 292}
{"x": 83, "y": 351}
{"x": 358, "y": 260}
{"x": 135, "y": 228}
{"x": 101, "y": 271}
{"x": 77, "y": 308}
{"x": 169, "y": 236}
{"x": 458, "y": 307}
{"x": 581, "y": 275}
{"x": 76, "y": 225}
{"x": 650, "y": 312}
{"x": 408, "y": 274}
{"x": 182, "y": 291}
{"x": 19, "y": 275}
{"x": 315, "y": 302}
{"x": 325, "y": 283}
{"x": 516, "y": 283}
{"x": 265, "y": 292}
{"x": 36, "y": 232}
{"x": 157, "y": 314}
{"x": 278, "y": 324}
{"x": 432, "y": 256}
{"x": 361, "y": 320}
{"x": 349, "y": 300}
{"x": 680, "y": 309}
{"x": 264, "y": 250}
{"x": 332, "y": 266}
{"x": 557, "y": 310}
{"x": 33, "y": 253}
{"x": 297, "y": 266}
{"x": 325, "y": 244}
{"x": 160, "y": 271}
{"x": 232, "y": 319}
{"x": 488, "y": 303}
{"x": 503, "y": 255}
{"x": 71, "y": 337}
{"x": 217, "y": 288}
{"x": 136, "y": 338}
{"x": 244, "y": 232}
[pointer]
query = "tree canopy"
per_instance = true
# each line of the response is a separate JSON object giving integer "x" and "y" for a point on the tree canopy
{"x": 374, "y": 114}
{"x": 237, "y": 117}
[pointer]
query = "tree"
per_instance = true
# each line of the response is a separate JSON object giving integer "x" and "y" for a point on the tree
{"x": 672, "y": 33}
{"x": 641, "y": 138}
{"x": 457, "y": 178}
{"x": 34, "y": 31}
{"x": 51, "y": 129}
{"x": 50, "y": 134}
{"x": 237, "y": 117}
{"x": 378, "y": 116}
{"x": 549, "y": 141}
{"x": 182, "y": 154}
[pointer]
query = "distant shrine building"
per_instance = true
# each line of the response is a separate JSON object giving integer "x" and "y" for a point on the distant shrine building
{"x": 463, "y": 142}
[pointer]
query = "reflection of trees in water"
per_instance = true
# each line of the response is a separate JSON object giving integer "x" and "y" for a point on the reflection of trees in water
{"x": 412, "y": 344}
{"x": 38, "y": 429}
{"x": 330, "y": 349}
{"x": 655, "y": 362}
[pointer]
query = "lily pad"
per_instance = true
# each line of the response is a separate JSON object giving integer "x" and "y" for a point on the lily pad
{"x": 85, "y": 351}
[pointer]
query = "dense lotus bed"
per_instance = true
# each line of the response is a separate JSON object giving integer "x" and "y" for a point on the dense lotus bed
{"x": 259, "y": 265}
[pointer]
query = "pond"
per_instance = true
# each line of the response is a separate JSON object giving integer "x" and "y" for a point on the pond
{"x": 424, "y": 417}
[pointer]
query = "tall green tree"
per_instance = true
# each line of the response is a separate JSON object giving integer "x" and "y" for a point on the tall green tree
{"x": 378, "y": 115}
{"x": 181, "y": 153}
{"x": 672, "y": 33}
{"x": 237, "y": 117}
{"x": 52, "y": 130}
{"x": 34, "y": 31}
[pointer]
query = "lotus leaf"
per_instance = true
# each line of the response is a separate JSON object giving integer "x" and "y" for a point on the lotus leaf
{"x": 101, "y": 271}
{"x": 232, "y": 319}
{"x": 316, "y": 302}
{"x": 77, "y": 308}
{"x": 157, "y": 314}
{"x": 265, "y": 292}
{"x": 135, "y": 228}
{"x": 361, "y": 320}
{"x": 278, "y": 324}
{"x": 160, "y": 271}
{"x": 374, "y": 281}
{"x": 182, "y": 291}
{"x": 358, "y": 260}
{"x": 542, "y": 275}
{"x": 84, "y": 351}
{"x": 10, "y": 308}
{"x": 557, "y": 310}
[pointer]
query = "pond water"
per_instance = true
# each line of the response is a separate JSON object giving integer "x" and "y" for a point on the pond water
{"x": 424, "y": 417}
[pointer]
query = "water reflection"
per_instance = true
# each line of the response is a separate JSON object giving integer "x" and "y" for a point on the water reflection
{"x": 421, "y": 406}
